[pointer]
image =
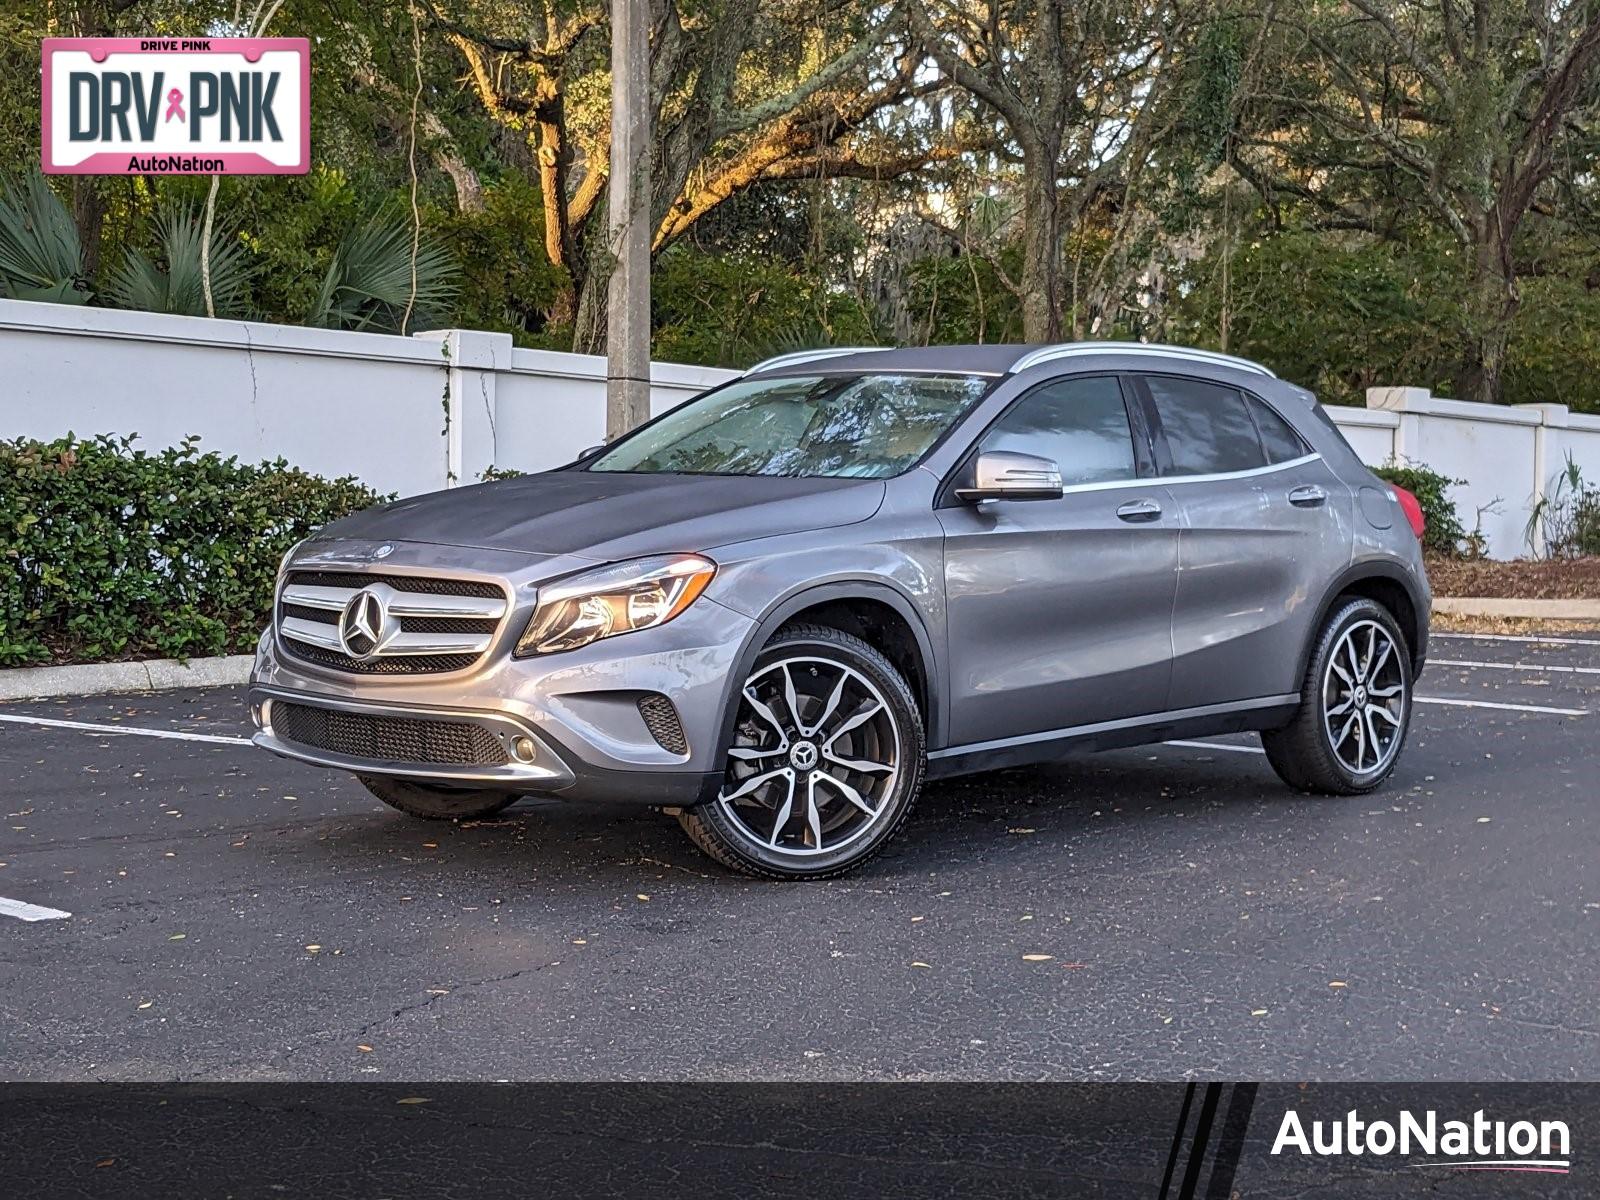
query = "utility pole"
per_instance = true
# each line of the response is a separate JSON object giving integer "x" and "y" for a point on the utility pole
{"x": 628, "y": 199}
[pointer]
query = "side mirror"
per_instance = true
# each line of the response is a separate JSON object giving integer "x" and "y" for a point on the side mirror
{"x": 590, "y": 451}
{"x": 1006, "y": 475}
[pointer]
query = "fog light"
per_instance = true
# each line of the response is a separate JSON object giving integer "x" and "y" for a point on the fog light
{"x": 524, "y": 749}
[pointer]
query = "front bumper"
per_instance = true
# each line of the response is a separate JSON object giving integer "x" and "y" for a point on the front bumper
{"x": 566, "y": 724}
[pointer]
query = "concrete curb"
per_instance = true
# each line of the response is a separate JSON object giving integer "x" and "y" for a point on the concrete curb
{"x": 106, "y": 679}
{"x": 1531, "y": 610}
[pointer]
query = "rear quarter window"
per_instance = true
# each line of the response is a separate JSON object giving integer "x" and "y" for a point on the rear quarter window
{"x": 1208, "y": 427}
{"x": 1278, "y": 437}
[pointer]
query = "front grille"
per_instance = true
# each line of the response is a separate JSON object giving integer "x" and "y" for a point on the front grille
{"x": 422, "y": 584}
{"x": 389, "y": 739}
{"x": 311, "y": 603}
{"x": 661, "y": 719}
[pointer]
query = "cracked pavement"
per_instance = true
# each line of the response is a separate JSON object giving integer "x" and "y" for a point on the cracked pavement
{"x": 239, "y": 917}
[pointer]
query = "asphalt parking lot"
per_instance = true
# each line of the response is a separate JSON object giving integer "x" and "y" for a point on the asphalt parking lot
{"x": 1164, "y": 913}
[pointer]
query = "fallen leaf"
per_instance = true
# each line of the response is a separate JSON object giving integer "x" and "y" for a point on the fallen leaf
{"x": 146, "y": 1004}
{"x": 1339, "y": 983}
{"x": 1258, "y": 1012}
{"x": 1037, "y": 957}
{"x": 177, "y": 937}
{"x": 413, "y": 1100}
{"x": 641, "y": 896}
{"x": 923, "y": 965}
{"x": 365, "y": 1049}
{"x": 313, "y": 947}
{"x": 105, "y": 1162}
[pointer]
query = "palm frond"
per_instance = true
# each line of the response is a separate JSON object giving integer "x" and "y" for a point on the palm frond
{"x": 41, "y": 256}
{"x": 369, "y": 281}
{"x": 174, "y": 284}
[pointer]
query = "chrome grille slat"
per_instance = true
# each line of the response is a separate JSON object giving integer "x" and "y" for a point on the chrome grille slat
{"x": 433, "y": 624}
{"x": 401, "y": 604}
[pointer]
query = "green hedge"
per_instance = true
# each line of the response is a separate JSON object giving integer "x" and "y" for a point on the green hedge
{"x": 107, "y": 552}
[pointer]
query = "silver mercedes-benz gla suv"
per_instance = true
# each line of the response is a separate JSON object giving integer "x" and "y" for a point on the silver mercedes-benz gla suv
{"x": 778, "y": 608}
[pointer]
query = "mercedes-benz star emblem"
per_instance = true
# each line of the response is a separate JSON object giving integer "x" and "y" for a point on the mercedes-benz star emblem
{"x": 384, "y": 550}
{"x": 362, "y": 624}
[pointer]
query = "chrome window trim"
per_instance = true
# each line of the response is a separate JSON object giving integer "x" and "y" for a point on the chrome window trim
{"x": 1108, "y": 485}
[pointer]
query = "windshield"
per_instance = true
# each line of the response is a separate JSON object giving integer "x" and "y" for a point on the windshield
{"x": 841, "y": 426}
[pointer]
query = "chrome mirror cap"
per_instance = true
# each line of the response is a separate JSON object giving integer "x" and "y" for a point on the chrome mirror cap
{"x": 1007, "y": 475}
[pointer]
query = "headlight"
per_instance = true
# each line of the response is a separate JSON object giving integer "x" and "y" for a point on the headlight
{"x": 616, "y": 599}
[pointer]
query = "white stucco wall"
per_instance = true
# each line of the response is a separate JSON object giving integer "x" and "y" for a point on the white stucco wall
{"x": 411, "y": 415}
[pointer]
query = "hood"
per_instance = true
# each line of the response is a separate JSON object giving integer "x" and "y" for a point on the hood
{"x": 609, "y": 516}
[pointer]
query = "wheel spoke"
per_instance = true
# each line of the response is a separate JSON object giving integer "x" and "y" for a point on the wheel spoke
{"x": 829, "y": 707}
{"x": 813, "y": 816}
{"x": 751, "y": 784}
{"x": 1383, "y": 657}
{"x": 1344, "y": 733}
{"x": 1340, "y": 710}
{"x": 1372, "y": 653}
{"x": 1387, "y": 693}
{"x": 1361, "y": 741}
{"x": 1344, "y": 676}
{"x": 1378, "y": 710}
{"x": 767, "y": 715}
{"x": 848, "y": 792}
{"x": 790, "y": 698}
{"x": 752, "y": 753}
{"x": 856, "y": 764}
{"x": 1372, "y": 738}
{"x": 783, "y": 816}
{"x": 861, "y": 718}
{"x": 1351, "y": 657}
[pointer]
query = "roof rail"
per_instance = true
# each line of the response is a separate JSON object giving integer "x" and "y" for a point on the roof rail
{"x": 1072, "y": 349}
{"x": 796, "y": 357}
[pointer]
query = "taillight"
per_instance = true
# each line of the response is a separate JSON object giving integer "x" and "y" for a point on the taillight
{"x": 1413, "y": 509}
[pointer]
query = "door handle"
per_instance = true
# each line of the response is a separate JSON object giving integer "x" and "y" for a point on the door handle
{"x": 1139, "y": 510}
{"x": 1308, "y": 496}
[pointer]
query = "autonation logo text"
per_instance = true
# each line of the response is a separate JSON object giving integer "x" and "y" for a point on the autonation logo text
{"x": 1476, "y": 1145}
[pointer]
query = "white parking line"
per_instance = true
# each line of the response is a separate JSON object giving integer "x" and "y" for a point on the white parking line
{"x": 1529, "y": 708}
{"x": 1217, "y": 746}
{"x": 1517, "y": 666}
{"x": 1518, "y": 637}
{"x": 29, "y": 912}
{"x": 128, "y": 730}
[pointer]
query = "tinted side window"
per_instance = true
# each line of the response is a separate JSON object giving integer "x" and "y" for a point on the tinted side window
{"x": 1208, "y": 427}
{"x": 1278, "y": 437}
{"x": 1081, "y": 423}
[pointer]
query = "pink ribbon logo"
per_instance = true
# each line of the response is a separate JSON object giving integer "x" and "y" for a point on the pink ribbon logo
{"x": 175, "y": 105}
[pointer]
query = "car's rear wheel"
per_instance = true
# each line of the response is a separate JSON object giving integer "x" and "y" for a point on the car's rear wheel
{"x": 826, "y": 761}
{"x": 432, "y": 802}
{"x": 1355, "y": 706}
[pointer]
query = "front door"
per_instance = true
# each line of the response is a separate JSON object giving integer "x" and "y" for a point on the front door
{"x": 1059, "y": 612}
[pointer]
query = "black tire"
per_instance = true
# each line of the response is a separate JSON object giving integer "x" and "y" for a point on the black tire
{"x": 434, "y": 803}
{"x": 1303, "y": 751}
{"x": 722, "y": 833}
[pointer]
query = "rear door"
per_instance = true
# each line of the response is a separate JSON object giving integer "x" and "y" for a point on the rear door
{"x": 1060, "y": 611}
{"x": 1265, "y": 527}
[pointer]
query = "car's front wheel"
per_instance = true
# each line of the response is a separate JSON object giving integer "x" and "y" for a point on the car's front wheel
{"x": 434, "y": 803}
{"x": 1355, "y": 706}
{"x": 826, "y": 761}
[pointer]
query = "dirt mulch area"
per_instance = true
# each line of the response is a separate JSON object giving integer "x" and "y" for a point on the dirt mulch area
{"x": 1519, "y": 579}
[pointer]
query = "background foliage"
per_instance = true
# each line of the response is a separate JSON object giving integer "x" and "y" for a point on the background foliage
{"x": 109, "y": 552}
{"x": 1353, "y": 192}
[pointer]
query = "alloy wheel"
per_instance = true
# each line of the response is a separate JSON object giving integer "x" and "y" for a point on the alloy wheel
{"x": 815, "y": 757}
{"x": 1364, "y": 698}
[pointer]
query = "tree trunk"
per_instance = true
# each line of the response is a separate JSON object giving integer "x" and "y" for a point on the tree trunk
{"x": 1041, "y": 248}
{"x": 1492, "y": 303}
